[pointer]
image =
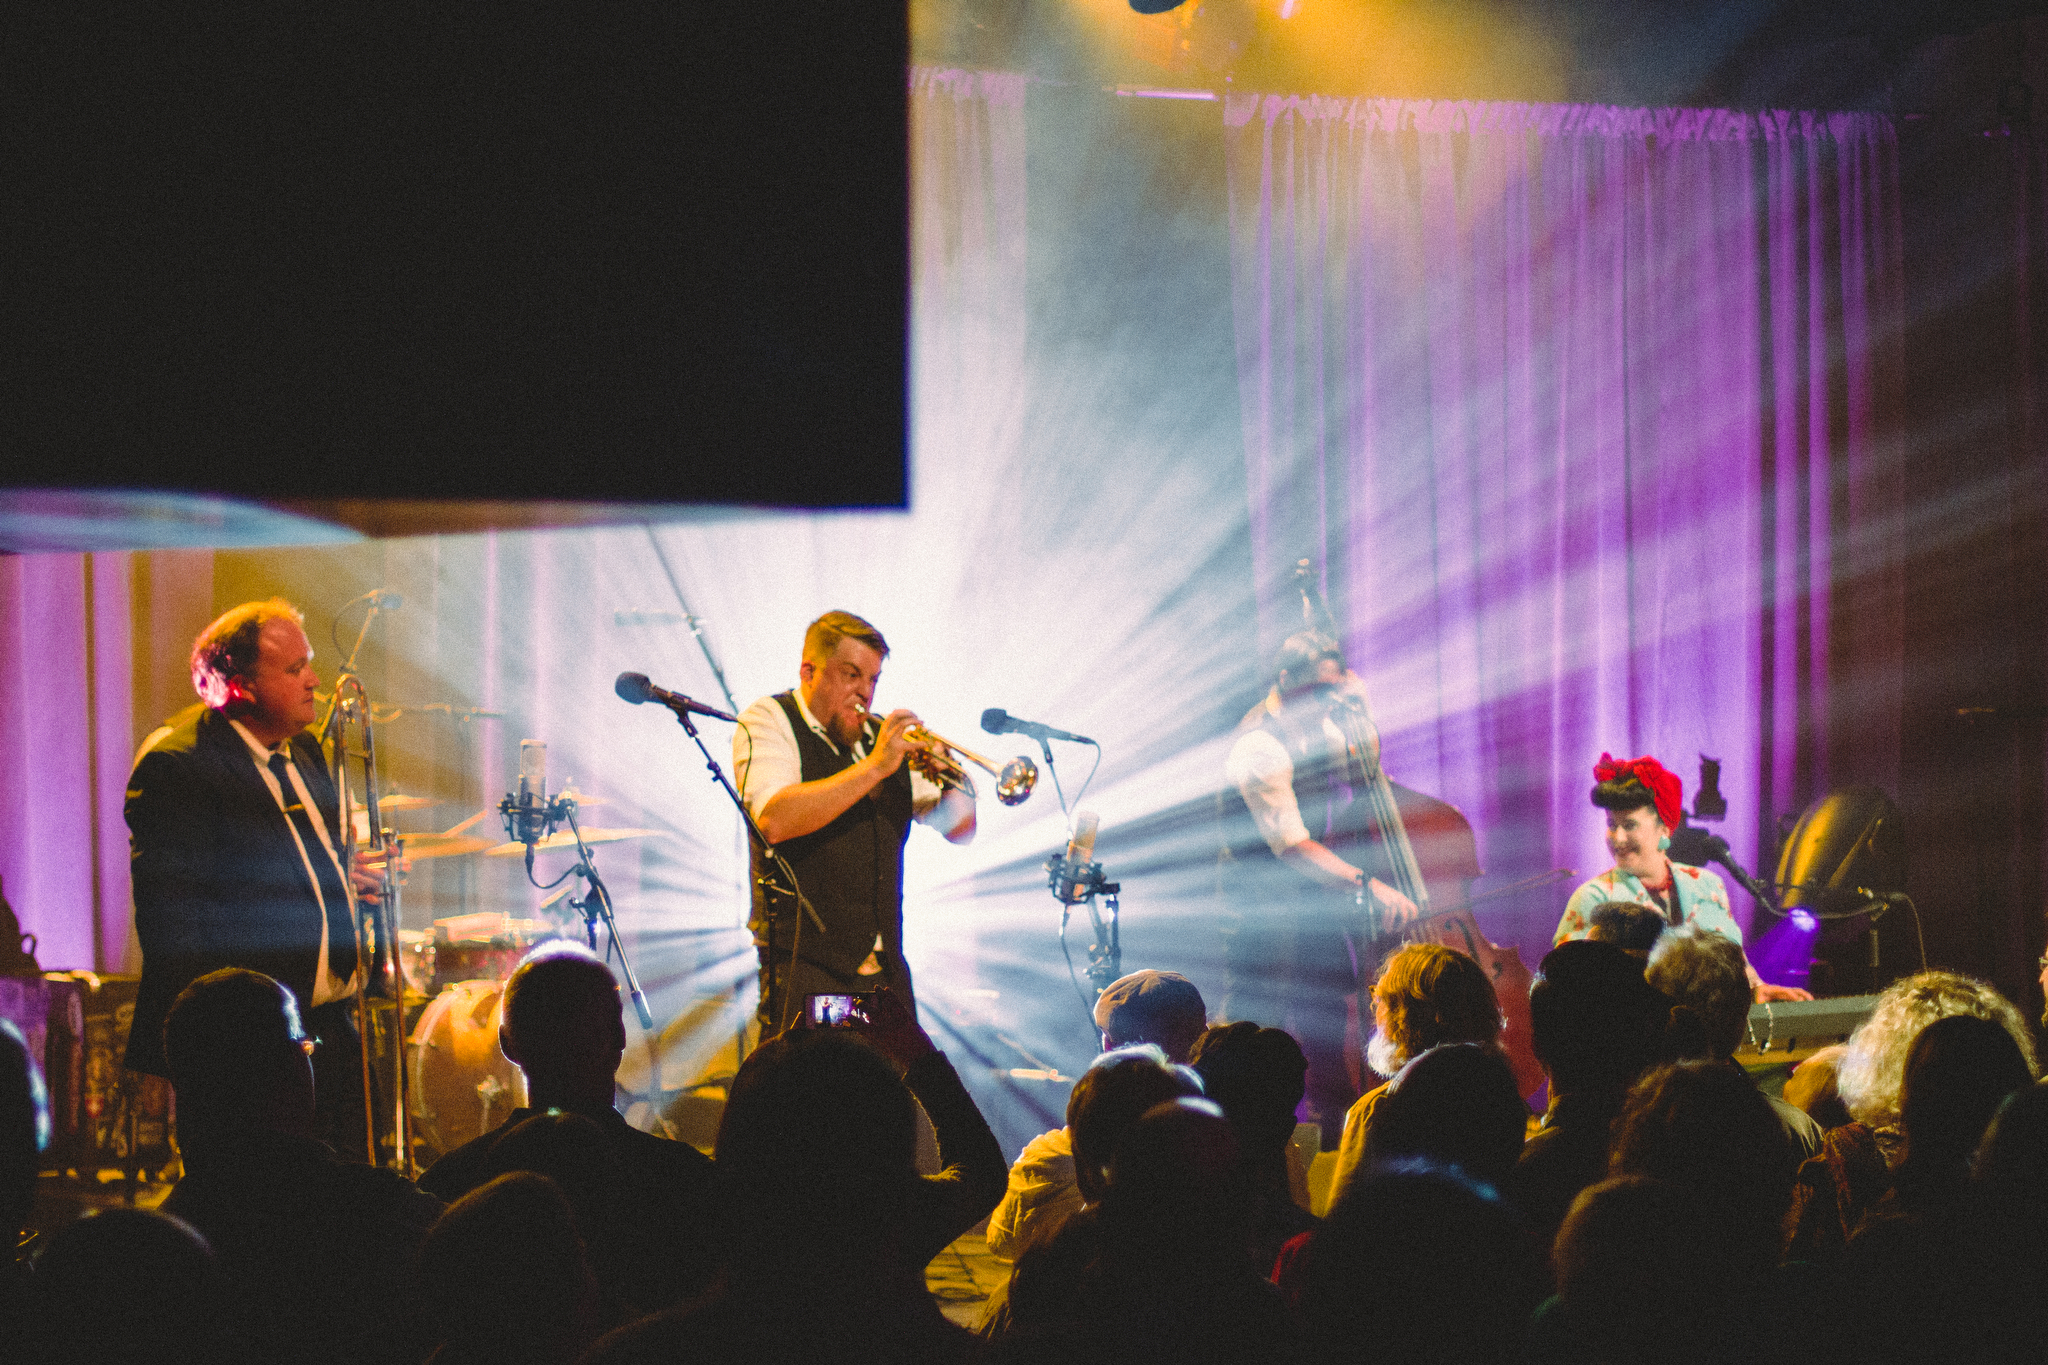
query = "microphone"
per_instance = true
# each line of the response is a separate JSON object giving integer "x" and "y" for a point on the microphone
{"x": 997, "y": 721}
{"x": 1716, "y": 848}
{"x": 635, "y": 688}
{"x": 526, "y": 814}
{"x": 1080, "y": 852}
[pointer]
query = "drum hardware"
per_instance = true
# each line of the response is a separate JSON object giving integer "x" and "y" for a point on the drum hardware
{"x": 568, "y": 839}
{"x": 530, "y": 818}
{"x": 462, "y": 1084}
{"x": 483, "y": 947}
{"x": 419, "y": 846}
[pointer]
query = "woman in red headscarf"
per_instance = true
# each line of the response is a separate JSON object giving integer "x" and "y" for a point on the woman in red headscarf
{"x": 1644, "y": 803}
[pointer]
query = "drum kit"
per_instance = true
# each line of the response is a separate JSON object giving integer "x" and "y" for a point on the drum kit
{"x": 459, "y": 1085}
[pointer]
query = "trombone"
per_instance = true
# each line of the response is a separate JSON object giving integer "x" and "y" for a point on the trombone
{"x": 936, "y": 759}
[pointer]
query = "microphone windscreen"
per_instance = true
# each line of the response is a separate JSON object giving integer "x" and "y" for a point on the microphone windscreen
{"x": 996, "y": 721}
{"x": 1081, "y": 847}
{"x": 634, "y": 687}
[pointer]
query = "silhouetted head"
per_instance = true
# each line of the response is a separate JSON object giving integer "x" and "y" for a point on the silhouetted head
{"x": 816, "y": 1154}
{"x": 1111, "y": 1095}
{"x": 1149, "y": 1006}
{"x": 508, "y": 1275}
{"x": 1455, "y": 1105}
{"x": 1705, "y": 1126}
{"x": 1628, "y": 926}
{"x": 2011, "y": 1167}
{"x": 1594, "y": 1021}
{"x": 1811, "y": 1087}
{"x": 564, "y": 1027}
{"x": 24, "y": 1126}
{"x": 1177, "y": 1187}
{"x": 1959, "y": 1071}
{"x": 1428, "y": 995}
{"x": 1706, "y": 973}
{"x": 1258, "y": 1076}
{"x": 238, "y": 1057}
{"x": 130, "y": 1285}
{"x": 1417, "y": 1263}
{"x": 1640, "y": 1271}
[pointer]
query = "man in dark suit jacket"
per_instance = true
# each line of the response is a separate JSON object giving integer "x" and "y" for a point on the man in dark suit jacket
{"x": 235, "y": 848}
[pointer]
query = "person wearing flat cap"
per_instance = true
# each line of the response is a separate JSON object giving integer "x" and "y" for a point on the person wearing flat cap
{"x": 1161, "y": 1008}
{"x": 1151, "y": 1007}
{"x": 1644, "y": 802}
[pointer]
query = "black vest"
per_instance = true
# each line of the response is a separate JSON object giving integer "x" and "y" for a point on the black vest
{"x": 851, "y": 870}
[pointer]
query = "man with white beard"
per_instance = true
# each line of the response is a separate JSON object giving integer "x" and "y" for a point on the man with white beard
{"x": 1427, "y": 995}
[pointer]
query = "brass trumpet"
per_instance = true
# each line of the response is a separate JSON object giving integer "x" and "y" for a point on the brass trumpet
{"x": 936, "y": 760}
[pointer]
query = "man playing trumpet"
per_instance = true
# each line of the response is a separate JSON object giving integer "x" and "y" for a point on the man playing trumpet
{"x": 835, "y": 788}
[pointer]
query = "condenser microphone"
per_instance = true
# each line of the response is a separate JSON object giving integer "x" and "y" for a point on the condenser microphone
{"x": 997, "y": 721}
{"x": 527, "y": 811}
{"x": 1080, "y": 853}
{"x": 635, "y": 688}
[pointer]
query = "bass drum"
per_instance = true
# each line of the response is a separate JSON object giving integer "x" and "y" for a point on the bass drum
{"x": 462, "y": 1086}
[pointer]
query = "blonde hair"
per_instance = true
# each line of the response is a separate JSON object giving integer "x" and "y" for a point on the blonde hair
{"x": 1873, "y": 1069}
{"x": 823, "y": 635}
{"x": 1436, "y": 995}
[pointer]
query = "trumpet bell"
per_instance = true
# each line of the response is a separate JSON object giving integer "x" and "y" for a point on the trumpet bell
{"x": 1015, "y": 781}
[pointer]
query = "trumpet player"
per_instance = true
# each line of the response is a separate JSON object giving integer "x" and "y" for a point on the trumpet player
{"x": 835, "y": 789}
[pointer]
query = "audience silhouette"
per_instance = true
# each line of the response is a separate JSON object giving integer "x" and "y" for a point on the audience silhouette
{"x": 1160, "y": 1008}
{"x": 830, "y": 1224}
{"x": 510, "y": 1282}
{"x": 1418, "y": 1263}
{"x": 127, "y": 1285}
{"x": 1258, "y": 1077}
{"x": 644, "y": 1202}
{"x": 315, "y": 1253}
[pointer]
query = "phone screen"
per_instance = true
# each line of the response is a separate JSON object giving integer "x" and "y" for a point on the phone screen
{"x": 836, "y": 1011}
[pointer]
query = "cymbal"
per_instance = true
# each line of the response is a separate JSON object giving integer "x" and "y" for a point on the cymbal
{"x": 397, "y": 802}
{"x": 564, "y": 839}
{"x": 442, "y": 845}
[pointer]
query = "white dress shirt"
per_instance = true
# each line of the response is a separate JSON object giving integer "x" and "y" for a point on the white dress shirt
{"x": 325, "y": 987}
{"x": 765, "y": 757}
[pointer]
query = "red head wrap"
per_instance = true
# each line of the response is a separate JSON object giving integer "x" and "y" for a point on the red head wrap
{"x": 1667, "y": 793}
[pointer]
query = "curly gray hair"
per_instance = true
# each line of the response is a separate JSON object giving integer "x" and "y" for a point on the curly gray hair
{"x": 1873, "y": 1071}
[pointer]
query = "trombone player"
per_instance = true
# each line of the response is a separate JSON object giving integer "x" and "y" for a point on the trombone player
{"x": 835, "y": 789}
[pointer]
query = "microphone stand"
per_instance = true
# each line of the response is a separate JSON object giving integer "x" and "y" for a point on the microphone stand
{"x": 529, "y": 824}
{"x": 595, "y": 904}
{"x": 782, "y": 867}
{"x": 1075, "y": 884}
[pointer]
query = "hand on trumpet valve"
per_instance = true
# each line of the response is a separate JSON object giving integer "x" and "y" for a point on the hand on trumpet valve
{"x": 898, "y": 741}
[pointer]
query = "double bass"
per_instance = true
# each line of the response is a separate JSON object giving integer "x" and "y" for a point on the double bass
{"x": 1424, "y": 848}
